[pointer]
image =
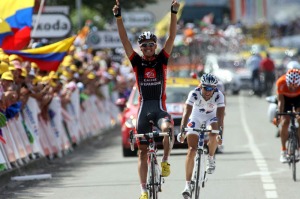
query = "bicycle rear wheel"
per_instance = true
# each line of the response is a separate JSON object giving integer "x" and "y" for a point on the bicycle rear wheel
{"x": 153, "y": 183}
{"x": 197, "y": 173}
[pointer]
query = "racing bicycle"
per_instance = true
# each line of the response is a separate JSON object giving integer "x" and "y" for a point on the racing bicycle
{"x": 293, "y": 141}
{"x": 154, "y": 177}
{"x": 199, "y": 177}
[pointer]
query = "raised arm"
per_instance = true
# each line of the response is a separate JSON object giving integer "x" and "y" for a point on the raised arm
{"x": 121, "y": 29}
{"x": 173, "y": 27}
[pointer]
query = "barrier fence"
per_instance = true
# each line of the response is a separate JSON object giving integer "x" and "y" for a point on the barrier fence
{"x": 29, "y": 136}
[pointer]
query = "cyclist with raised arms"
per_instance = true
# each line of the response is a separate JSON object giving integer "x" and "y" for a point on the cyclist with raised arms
{"x": 288, "y": 91}
{"x": 204, "y": 104}
{"x": 151, "y": 72}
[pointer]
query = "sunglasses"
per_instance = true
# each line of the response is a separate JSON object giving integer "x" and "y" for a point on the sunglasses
{"x": 150, "y": 44}
{"x": 207, "y": 88}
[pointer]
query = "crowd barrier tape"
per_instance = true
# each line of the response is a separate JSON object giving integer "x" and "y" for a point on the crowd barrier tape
{"x": 29, "y": 136}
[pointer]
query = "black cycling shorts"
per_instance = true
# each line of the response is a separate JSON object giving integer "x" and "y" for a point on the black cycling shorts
{"x": 150, "y": 110}
{"x": 289, "y": 102}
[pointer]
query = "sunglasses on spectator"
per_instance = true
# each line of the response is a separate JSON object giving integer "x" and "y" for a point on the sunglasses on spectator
{"x": 208, "y": 88}
{"x": 150, "y": 44}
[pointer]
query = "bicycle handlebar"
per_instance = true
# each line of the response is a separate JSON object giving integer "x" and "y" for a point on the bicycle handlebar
{"x": 147, "y": 135}
{"x": 151, "y": 134}
{"x": 290, "y": 113}
{"x": 203, "y": 130}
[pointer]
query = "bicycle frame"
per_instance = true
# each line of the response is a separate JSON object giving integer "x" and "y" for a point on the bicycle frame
{"x": 293, "y": 141}
{"x": 154, "y": 178}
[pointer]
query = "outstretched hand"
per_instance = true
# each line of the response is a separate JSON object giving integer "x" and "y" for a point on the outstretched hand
{"x": 175, "y": 5}
{"x": 116, "y": 7}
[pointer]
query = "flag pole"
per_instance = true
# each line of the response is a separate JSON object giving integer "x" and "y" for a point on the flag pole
{"x": 37, "y": 20}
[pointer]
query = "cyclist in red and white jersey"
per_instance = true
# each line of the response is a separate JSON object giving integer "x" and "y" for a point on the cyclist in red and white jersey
{"x": 151, "y": 72}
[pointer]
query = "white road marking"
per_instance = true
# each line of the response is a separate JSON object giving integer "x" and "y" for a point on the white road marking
{"x": 266, "y": 178}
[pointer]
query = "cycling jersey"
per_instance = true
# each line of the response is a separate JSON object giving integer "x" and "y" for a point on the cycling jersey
{"x": 203, "y": 111}
{"x": 151, "y": 75}
{"x": 291, "y": 98}
{"x": 283, "y": 89}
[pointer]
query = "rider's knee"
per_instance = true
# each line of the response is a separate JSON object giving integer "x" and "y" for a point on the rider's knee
{"x": 285, "y": 124}
{"x": 192, "y": 151}
{"x": 166, "y": 125}
{"x": 142, "y": 152}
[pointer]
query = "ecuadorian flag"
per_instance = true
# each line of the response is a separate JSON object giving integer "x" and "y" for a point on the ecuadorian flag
{"x": 15, "y": 23}
{"x": 48, "y": 57}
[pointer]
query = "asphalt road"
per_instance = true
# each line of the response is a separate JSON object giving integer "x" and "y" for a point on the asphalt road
{"x": 249, "y": 168}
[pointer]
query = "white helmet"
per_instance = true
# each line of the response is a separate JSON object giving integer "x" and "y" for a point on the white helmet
{"x": 293, "y": 65}
{"x": 209, "y": 80}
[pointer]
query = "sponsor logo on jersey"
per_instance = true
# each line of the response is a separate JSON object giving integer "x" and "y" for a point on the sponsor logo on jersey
{"x": 150, "y": 73}
{"x": 191, "y": 124}
{"x": 218, "y": 96}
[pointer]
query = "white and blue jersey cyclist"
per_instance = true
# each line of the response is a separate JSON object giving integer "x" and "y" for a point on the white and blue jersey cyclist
{"x": 204, "y": 104}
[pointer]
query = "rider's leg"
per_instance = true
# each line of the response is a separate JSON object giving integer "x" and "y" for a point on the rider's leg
{"x": 212, "y": 144}
{"x": 165, "y": 127}
{"x": 192, "y": 140}
{"x": 284, "y": 131}
{"x": 142, "y": 166}
{"x": 284, "y": 137}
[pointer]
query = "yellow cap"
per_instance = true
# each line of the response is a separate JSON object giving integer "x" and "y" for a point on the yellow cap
{"x": 73, "y": 68}
{"x": 45, "y": 80}
{"x": 53, "y": 84}
{"x": 7, "y": 76}
{"x": 24, "y": 72}
{"x": 91, "y": 75}
{"x": 53, "y": 75}
{"x": 81, "y": 71}
{"x": 96, "y": 58}
{"x": 36, "y": 79}
{"x": 3, "y": 67}
{"x": 4, "y": 58}
{"x": 112, "y": 72}
{"x": 15, "y": 57}
{"x": 66, "y": 63}
{"x": 72, "y": 48}
{"x": 11, "y": 68}
{"x": 68, "y": 58}
{"x": 34, "y": 65}
{"x": 67, "y": 74}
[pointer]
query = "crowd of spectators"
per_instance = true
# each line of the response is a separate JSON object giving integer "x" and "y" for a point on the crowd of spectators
{"x": 88, "y": 72}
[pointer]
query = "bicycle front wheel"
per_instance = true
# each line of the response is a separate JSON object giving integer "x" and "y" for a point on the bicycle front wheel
{"x": 294, "y": 147}
{"x": 197, "y": 173}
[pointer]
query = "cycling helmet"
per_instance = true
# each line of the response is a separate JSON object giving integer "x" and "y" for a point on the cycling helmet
{"x": 209, "y": 80}
{"x": 147, "y": 36}
{"x": 293, "y": 77}
{"x": 293, "y": 65}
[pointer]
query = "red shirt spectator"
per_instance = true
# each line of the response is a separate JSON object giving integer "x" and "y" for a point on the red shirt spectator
{"x": 267, "y": 64}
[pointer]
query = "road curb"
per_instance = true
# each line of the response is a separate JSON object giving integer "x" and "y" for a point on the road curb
{"x": 42, "y": 162}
